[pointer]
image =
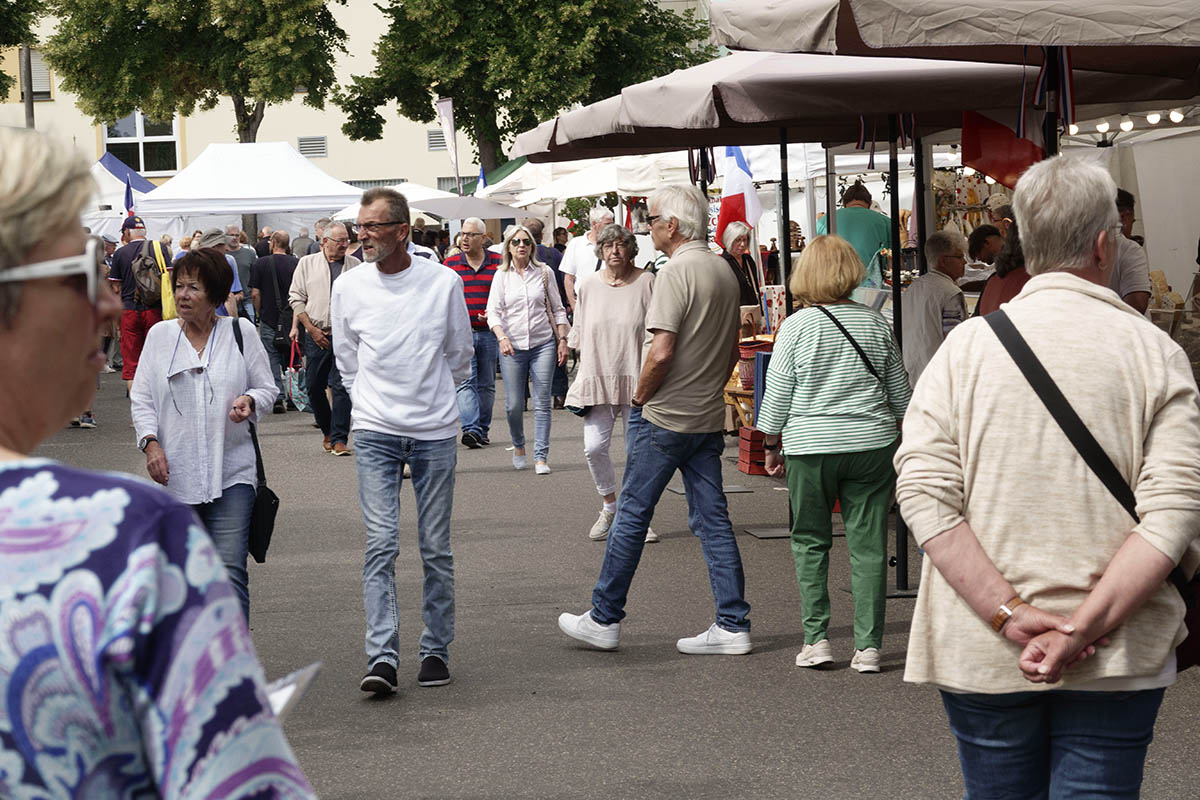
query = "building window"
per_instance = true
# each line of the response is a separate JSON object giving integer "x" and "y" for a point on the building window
{"x": 377, "y": 183}
{"x": 435, "y": 139}
{"x": 313, "y": 146}
{"x": 41, "y": 75}
{"x": 448, "y": 184}
{"x": 148, "y": 147}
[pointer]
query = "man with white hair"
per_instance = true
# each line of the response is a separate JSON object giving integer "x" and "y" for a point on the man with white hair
{"x": 301, "y": 243}
{"x": 579, "y": 258}
{"x": 244, "y": 256}
{"x": 675, "y": 424}
{"x": 934, "y": 303}
{"x": 476, "y": 266}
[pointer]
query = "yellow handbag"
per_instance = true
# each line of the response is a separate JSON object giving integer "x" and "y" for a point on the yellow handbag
{"x": 168, "y": 295}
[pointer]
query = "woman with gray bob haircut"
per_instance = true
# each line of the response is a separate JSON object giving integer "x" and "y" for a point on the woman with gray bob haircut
{"x": 1045, "y": 616}
{"x": 686, "y": 205}
{"x": 111, "y": 594}
{"x": 735, "y": 240}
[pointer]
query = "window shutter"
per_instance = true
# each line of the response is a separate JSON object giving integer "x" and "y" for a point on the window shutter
{"x": 435, "y": 139}
{"x": 313, "y": 146}
{"x": 41, "y": 75}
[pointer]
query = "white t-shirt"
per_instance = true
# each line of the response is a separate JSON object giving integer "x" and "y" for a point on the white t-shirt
{"x": 580, "y": 257}
{"x": 1131, "y": 273}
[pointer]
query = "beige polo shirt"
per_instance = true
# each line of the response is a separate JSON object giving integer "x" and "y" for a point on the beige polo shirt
{"x": 696, "y": 298}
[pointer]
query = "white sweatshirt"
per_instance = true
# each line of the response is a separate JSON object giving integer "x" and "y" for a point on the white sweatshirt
{"x": 403, "y": 344}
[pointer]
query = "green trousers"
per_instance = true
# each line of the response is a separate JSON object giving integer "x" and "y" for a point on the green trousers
{"x": 863, "y": 482}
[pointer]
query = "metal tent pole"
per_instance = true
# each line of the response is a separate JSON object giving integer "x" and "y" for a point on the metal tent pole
{"x": 830, "y": 192}
{"x": 921, "y": 172}
{"x": 1053, "y": 78}
{"x": 785, "y": 222}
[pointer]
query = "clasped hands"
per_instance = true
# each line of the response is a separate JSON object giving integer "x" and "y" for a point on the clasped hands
{"x": 1051, "y": 643}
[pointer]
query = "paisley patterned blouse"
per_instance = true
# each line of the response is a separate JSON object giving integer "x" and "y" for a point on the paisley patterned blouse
{"x": 126, "y": 670}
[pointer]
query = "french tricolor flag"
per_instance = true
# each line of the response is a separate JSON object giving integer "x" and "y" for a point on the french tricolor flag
{"x": 739, "y": 198}
{"x": 128, "y": 197}
{"x": 991, "y": 145}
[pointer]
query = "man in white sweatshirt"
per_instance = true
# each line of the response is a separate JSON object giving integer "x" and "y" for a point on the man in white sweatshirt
{"x": 403, "y": 343}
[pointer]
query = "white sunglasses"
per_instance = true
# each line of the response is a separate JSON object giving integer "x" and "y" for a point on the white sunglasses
{"x": 85, "y": 263}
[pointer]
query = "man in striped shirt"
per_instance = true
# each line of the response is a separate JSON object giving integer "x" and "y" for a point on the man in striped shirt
{"x": 477, "y": 394}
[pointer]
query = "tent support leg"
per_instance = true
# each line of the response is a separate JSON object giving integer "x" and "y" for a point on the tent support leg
{"x": 830, "y": 192}
{"x": 785, "y": 222}
{"x": 920, "y": 199}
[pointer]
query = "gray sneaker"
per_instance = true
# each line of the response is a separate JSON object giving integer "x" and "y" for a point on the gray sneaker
{"x": 716, "y": 641}
{"x": 600, "y": 527}
{"x": 587, "y": 630}
{"x": 815, "y": 654}
{"x": 865, "y": 660}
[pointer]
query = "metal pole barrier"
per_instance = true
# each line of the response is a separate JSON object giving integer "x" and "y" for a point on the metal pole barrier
{"x": 785, "y": 222}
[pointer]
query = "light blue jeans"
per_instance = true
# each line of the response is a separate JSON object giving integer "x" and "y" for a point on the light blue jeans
{"x": 227, "y": 520}
{"x": 477, "y": 394}
{"x": 380, "y": 458}
{"x": 538, "y": 363}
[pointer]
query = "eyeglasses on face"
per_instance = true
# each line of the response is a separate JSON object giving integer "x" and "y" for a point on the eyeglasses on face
{"x": 372, "y": 227}
{"x": 337, "y": 241}
{"x": 86, "y": 264}
{"x": 614, "y": 246}
{"x": 521, "y": 243}
{"x": 469, "y": 234}
{"x": 650, "y": 220}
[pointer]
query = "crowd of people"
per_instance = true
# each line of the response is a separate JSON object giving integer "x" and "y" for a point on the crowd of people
{"x": 1045, "y": 616}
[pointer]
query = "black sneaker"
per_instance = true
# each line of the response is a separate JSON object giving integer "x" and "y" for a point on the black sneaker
{"x": 292, "y": 406}
{"x": 278, "y": 408}
{"x": 483, "y": 440}
{"x": 434, "y": 672}
{"x": 380, "y": 680}
{"x": 471, "y": 440}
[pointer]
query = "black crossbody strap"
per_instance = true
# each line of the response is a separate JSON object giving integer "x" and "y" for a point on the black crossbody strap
{"x": 258, "y": 462}
{"x": 275, "y": 280}
{"x": 846, "y": 333}
{"x": 1070, "y": 423}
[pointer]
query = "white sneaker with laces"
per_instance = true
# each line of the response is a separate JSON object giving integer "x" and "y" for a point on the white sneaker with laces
{"x": 600, "y": 528}
{"x": 588, "y": 631}
{"x": 865, "y": 660}
{"x": 716, "y": 641}
{"x": 815, "y": 654}
{"x": 651, "y": 536}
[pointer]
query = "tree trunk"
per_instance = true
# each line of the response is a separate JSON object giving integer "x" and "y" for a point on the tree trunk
{"x": 248, "y": 120}
{"x": 489, "y": 155}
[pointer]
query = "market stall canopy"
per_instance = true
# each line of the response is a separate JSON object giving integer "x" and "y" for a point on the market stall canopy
{"x": 110, "y": 174}
{"x": 413, "y": 192}
{"x": 257, "y": 178}
{"x": 1160, "y": 37}
{"x": 629, "y": 175}
{"x": 745, "y": 98}
{"x": 455, "y": 207}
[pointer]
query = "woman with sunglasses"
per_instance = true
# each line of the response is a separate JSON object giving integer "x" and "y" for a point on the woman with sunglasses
{"x": 191, "y": 398}
{"x": 526, "y": 313}
{"x": 111, "y": 596}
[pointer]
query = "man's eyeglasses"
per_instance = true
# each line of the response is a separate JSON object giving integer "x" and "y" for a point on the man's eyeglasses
{"x": 466, "y": 234}
{"x": 337, "y": 241}
{"x": 87, "y": 264}
{"x": 372, "y": 227}
{"x": 522, "y": 242}
{"x": 651, "y": 219}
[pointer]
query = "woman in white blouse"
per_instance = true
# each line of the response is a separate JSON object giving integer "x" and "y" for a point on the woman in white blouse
{"x": 190, "y": 400}
{"x": 525, "y": 312}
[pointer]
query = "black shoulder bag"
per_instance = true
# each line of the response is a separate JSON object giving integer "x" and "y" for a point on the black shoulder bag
{"x": 283, "y": 319}
{"x": 1098, "y": 461}
{"x": 266, "y": 502}
{"x": 857, "y": 348}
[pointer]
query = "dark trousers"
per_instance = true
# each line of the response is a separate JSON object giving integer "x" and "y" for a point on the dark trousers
{"x": 321, "y": 371}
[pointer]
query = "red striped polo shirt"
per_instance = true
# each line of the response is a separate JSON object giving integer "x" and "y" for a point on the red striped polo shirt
{"x": 476, "y": 285}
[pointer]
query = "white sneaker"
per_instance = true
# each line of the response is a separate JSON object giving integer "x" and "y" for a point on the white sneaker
{"x": 541, "y": 468}
{"x": 587, "y": 630}
{"x": 865, "y": 660}
{"x": 520, "y": 462}
{"x": 815, "y": 654}
{"x": 600, "y": 528}
{"x": 651, "y": 536}
{"x": 716, "y": 641}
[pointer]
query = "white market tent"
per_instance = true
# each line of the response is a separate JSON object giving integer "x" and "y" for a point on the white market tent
{"x": 257, "y": 178}
{"x": 413, "y": 192}
{"x": 106, "y": 210}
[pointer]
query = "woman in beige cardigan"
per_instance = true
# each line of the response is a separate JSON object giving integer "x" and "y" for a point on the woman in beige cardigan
{"x": 1045, "y": 615}
{"x": 610, "y": 327}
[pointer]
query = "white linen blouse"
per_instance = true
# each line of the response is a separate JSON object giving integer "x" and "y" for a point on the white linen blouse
{"x": 184, "y": 399}
{"x": 517, "y": 304}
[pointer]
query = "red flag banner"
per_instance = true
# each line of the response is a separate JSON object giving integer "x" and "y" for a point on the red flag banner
{"x": 992, "y": 147}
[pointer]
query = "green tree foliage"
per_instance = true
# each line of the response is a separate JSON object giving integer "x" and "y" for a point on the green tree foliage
{"x": 164, "y": 57}
{"x": 17, "y": 18}
{"x": 510, "y": 63}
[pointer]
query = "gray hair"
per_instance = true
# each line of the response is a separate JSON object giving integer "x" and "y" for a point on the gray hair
{"x": 44, "y": 184}
{"x": 687, "y": 205}
{"x": 475, "y": 222}
{"x": 599, "y": 214}
{"x": 733, "y": 231}
{"x": 397, "y": 203}
{"x": 943, "y": 243}
{"x": 616, "y": 233}
{"x": 330, "y": 226}
{"x": 233, "y": 230}
{"x": 1062, "y": 205}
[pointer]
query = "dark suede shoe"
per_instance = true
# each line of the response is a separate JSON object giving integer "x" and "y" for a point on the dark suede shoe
{"x": 380, "y": 680}
{"x": 471, "y": 440}
{"x": 434, "y": 672}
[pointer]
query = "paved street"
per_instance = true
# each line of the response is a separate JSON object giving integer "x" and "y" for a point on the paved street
{"x": 529, "y": 714}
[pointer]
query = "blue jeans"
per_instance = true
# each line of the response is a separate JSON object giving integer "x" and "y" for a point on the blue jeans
{"x": 477, "y": 394}
{"x": 653, "y": 455}
{"x": 322, "y": 371}
{"x": 537, "y": 363}
{"x": 380, "y": 458}
{"x": 1056, "y": 744}
{"x": 267, "y": 334}
{"x": 227, "y": 520}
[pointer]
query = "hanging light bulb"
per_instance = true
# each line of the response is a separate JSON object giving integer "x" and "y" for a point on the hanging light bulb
{"x": 1126, "y": 123}
{"x": 1176, "y": 115}
{"x": 1154, "y": 117}
{"x": 1102, "y": 126}
{"x": 989, "y": 179}
{"x": 968, "y": 172}
{"x": 1073, "y": 129}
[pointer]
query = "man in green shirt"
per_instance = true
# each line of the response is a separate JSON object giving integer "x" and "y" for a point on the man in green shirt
{"x": 866, "y": 230}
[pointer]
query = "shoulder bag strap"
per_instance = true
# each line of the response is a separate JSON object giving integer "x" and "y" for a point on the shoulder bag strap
{"x": 156, "y": 248}
{"x": 275, "y": 280}
{"x": 549, "y": 309}
{"x": 1070, "y": 423}
{"x": 849, "y": 338}
{"x": 258, "y": 462}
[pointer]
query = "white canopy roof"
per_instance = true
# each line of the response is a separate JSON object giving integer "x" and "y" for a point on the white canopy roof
{"x": 264, "y": 177}
{"x": 413, "y": 192}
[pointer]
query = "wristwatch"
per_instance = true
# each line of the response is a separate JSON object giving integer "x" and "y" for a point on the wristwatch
{"x": 145, "y": 441}
{"x": 1005, "y": 612}
{"x": 772, "y": 448}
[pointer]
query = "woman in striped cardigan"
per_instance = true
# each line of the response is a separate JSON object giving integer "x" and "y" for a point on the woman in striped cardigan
{"x": 835, "y": 393}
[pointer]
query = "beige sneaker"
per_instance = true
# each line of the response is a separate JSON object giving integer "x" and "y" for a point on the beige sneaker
{"x": 815, "y": 654}
{"x": 865, "y": 660}
{"x": 599, "y": 530}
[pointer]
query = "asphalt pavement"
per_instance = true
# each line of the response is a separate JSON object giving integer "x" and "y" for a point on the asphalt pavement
{"x": 530, "y": 714}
